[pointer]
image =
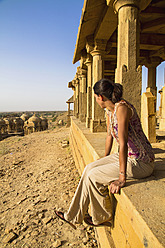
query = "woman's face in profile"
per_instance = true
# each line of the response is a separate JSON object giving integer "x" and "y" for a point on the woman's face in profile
{"x": 99, "y": 100}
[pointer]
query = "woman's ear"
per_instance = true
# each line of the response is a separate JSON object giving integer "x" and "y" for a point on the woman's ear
{"x": 101, "y": 97}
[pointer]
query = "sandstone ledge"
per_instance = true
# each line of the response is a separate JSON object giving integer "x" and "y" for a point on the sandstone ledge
{"x": 139, "y": 209}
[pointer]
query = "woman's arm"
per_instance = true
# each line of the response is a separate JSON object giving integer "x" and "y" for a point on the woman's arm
{"x": 109, "y": 140}
{"x": 123, "y": 116}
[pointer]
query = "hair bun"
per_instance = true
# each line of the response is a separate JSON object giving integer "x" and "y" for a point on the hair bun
{"x": 109, "y": 89}
{"x": 117, "y": 93}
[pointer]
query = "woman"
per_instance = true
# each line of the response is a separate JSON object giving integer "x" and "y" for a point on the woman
{"x": 134, "y": 159}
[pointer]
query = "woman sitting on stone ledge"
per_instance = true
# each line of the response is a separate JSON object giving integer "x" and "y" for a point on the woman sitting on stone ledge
{"x": 134, "y": 159}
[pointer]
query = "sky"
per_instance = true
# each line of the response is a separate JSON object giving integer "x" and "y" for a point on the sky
{"x": 37, "y": 42}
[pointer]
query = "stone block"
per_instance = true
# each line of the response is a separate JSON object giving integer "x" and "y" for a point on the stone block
{"x": 10, "y": 237}
{"x": 148, "y": 116}
{"x": 123, "y": 233}
{"x": 79, "y": 161}
{"x": 162, "y": 124}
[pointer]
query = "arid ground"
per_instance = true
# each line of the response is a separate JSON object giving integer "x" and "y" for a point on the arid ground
{"x": 38, "y": 175}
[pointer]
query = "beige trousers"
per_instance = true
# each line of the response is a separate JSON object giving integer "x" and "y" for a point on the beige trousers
{"x": 93, "y": 187}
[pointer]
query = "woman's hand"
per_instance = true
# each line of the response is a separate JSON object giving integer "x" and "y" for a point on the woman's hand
{"x": 116, "y": 186}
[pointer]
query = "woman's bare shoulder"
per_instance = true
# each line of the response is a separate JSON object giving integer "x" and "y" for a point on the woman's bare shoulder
{"x": 124, "y": 110}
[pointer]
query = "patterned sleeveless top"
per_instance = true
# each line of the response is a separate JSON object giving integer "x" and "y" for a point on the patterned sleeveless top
{"x": 139, "y": 147}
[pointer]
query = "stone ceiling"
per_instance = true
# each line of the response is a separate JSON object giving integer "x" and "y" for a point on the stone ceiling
{"x": 99, "y": 21}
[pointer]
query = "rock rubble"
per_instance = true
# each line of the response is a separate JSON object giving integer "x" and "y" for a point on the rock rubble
{"x": 37, "y": 176}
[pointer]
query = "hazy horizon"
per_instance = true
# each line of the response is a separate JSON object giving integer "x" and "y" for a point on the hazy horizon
{"x": 17, "y": 111}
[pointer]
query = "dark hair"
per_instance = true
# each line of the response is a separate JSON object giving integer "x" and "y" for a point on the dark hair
{"x": 109, "y": 89}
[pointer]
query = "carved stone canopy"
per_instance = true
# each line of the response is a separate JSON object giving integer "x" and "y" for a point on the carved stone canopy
{"x": 99, "y": 22}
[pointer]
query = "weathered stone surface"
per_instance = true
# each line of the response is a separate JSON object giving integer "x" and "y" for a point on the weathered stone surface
{"x": 24, "y": 228}
{"x": 85, "y": 240}
{"x": 64, "y": 145}
{"x": 47, "y": 220}
{"x": 61, "y": 122}
{"x": 10, "y": 237}
{"x": 8, "y": 230}
{"x": 57, "y": 243}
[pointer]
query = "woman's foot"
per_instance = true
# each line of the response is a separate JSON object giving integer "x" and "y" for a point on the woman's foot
{"x": 88, "y": 221}
{"x": 61, "y": 216}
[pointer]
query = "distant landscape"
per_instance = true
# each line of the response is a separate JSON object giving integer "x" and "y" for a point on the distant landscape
{"x": 53, "y": 117}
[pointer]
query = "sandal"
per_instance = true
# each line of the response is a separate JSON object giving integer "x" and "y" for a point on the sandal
{"x": 61, "y": 216}
{"x": 88, "y": 221}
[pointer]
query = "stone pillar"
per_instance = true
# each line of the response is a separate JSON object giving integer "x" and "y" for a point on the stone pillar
{"x": 69, "y": 109}
{"x": 162, "y": 120}
{"x": 68, "y": 115}
{"x": 152, "y": 80}
{"x": 79, "y": 92}
{"x": 160, "y": 107}
{"x": 77, "y": 97}
{"x": 89, "y": 90}
{"x": 151, "y": 84}
{"x": 74, "y": 96}
{"x": 98, "y": 122}
{"x": 83, "y": 93}
{"x": 128, "y": 73}
{"x": 148, "y": 116}
{"x": 73, "y": 86}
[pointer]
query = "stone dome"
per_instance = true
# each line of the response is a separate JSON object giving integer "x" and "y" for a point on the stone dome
{"x": 2, "y": 122}
{"x": 24, "y": 117}
{"x": 44, "y": 122}
{"x": 8, "y": 121}
{"x": 18, "y": 120}
{"x": 43, "y": 118}
{"x": 34, "y": 119}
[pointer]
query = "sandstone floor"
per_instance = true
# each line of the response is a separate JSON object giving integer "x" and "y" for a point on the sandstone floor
{"x": 38, "y": 175}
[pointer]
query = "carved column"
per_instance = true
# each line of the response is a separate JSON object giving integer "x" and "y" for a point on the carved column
{"x": 71, "y": 84}
{"x": 68, "y": 115}
{"x": 162, "y": 120}
{"x": 79, "y": 91}
{"x": 98, "y": 123}
{"x": 89, "y": 89}
{"x": 83, "y": 93}
{"x": 77, "y": 97}
{"x": 127, "y": 72}
{"x": 160, "y": 107}
{"x": 74, "y": 96}
{"x": 151, "y": 84}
